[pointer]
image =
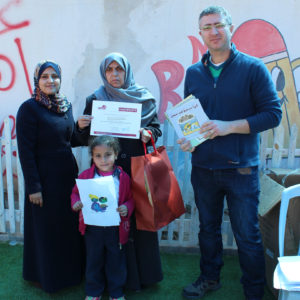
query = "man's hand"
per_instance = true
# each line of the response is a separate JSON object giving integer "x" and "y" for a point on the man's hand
{"x": 214, "y": 128}
{"x": 36, "y": 198}
{"x": 185, "y": 145}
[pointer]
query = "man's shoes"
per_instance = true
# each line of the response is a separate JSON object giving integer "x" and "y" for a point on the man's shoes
{"x": 199, "y": 288}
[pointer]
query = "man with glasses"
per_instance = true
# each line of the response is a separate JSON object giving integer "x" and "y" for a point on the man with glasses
{"x": 237, "y": 93}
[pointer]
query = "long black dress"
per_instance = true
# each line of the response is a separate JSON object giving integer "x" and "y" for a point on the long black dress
{"x": 52, "y": 243}
{"x": 142, "y": 249}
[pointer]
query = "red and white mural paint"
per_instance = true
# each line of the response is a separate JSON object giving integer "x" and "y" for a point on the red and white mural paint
{"x": 258, "y": 38}
{"x": 22, "y": 34}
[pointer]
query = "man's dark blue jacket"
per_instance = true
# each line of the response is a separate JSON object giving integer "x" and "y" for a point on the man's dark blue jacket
{"x": 244, "y": 90}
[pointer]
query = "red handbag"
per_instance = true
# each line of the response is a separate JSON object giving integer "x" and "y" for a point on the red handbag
{"x": 155, "y": 189}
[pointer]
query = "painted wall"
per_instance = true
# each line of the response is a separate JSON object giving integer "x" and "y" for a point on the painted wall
{"x": 159, "y": 37}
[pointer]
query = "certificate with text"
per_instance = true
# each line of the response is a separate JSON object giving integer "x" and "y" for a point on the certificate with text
{"x": 119, "y": 119}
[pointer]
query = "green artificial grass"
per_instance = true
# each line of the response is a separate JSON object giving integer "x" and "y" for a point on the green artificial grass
{"x": 179, "y": 270}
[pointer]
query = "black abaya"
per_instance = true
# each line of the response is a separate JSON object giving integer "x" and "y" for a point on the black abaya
{"x": 52, "y": 243}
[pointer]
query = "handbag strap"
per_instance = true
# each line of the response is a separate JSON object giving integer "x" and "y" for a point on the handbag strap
{"x": 152, "y": 142}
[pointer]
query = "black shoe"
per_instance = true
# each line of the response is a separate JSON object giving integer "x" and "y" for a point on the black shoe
{"x": 199, "y": 288}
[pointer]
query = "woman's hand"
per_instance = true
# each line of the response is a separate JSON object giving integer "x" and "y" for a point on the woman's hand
{"x": 123, "y": 210}
{"x": 77, "y": 206}
{"x": 185, "y": 145}
{"x": 145, "y": 135}
{"x": 84, "y": 121}
{"x": 36, "y": 198}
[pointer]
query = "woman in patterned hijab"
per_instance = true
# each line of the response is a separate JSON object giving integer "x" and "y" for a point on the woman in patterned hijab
{"x": 45, "y": 134}
{"x": 47, "y": 93}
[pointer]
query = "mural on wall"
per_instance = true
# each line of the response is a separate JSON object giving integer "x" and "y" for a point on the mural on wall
{"x": 262, "y": 39}
{"x": 6, "y": 26}
{"x": 8, "y": 79}
{"x": 255, "y": 37}
{"x": 258, "y": 38}
{"x": 176, "y": 71}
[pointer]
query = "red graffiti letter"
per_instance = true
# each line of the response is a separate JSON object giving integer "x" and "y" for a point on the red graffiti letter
{"x": 13, "y": 136}
{"x": 18, "y": 42}
{"x": 7, "y": 25}
{"x": 167, "y": 86}
{"x": 197, "y": 46}
{"x": 13, "y": 73}
{"x": 13, "y": 129}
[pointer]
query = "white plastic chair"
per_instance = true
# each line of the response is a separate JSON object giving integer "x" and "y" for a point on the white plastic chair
{"x": 286, "y": 292}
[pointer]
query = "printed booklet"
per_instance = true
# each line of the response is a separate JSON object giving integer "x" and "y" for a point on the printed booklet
{"x": 187, "y": 117}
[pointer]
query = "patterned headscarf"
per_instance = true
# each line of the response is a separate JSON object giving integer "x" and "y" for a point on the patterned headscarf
{"x": 58, "y": 102}
{"x": 129, "y": 92}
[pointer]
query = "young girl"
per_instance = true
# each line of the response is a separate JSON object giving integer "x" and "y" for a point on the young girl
{"x": 106, "y": 260}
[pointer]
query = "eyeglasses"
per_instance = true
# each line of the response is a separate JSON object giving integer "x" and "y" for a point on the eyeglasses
{"x": 217, "y": 26}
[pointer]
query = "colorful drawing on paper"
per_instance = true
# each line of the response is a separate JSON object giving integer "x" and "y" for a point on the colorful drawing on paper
{"x": 99, "y": 204}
